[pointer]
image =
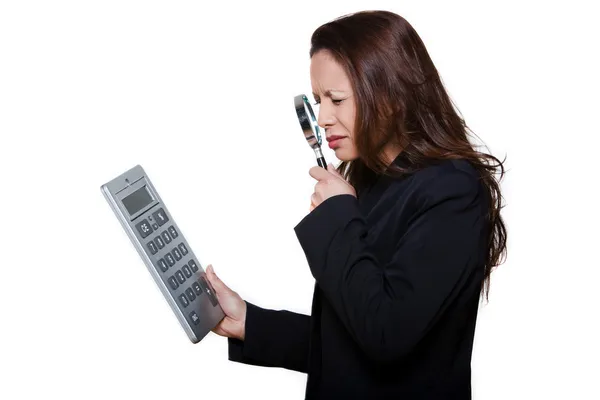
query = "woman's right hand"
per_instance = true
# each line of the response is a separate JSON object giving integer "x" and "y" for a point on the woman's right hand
{"x": 234, "y": 307}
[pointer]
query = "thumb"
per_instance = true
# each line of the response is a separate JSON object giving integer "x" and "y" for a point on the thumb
{"x": 217, "y": 284}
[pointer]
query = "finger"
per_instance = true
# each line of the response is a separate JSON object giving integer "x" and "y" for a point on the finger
{"x": 332, "y": 169}
{"x": 220, "y": 331}
{"x": 319, "y": 173}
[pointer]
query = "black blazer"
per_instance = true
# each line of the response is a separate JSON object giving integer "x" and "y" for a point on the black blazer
{"x": 398, "y": 275}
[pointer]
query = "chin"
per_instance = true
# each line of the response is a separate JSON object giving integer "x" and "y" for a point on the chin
{"x": 344, "y": 154}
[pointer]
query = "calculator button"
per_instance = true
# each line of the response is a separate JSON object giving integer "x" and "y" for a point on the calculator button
{"x": 163, "y": 265}
{"x": 144, "y": 228}
{"x": 194, "y": 317}
{"x": 186, "y": 271}
{"x": 155, "y": 226}
{"x": 152, "y": 247}
{"x": 183, "y": 300}
{"x": 170, "y": 259}
{"x": 190, "y": 294}
{"x": 177, "y": 254}
{"x": 166, "y": 237}
{"x": 173, "y": 283}
{"x": 160, "y": 216}
{"x": 159, "y": 242}
{"x": 180, "y": 276}
{"x": 204, "y": 284}
{"x": 183, "y": 249}
{"x": 173, "y": 232}
{"x": 197, "y": 288}
{"x": 193, "y": 266}
{"x": 209, "y": 291}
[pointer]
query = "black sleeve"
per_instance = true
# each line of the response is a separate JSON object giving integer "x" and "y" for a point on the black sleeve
{"x": 388, "y": 308}
{"x": 273, "y": 338}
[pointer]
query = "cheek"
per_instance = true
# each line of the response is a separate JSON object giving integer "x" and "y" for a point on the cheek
{"x": 349, "y": 147}
{"x": 349, "y": 123}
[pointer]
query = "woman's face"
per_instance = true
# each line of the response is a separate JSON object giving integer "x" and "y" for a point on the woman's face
{"x": 332, "y": 90}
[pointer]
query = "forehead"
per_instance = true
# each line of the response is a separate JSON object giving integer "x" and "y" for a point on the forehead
{"x": 327, "y": 74}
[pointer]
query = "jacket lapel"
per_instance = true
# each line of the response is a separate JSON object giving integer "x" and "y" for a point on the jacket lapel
{"x": 368, "y": 197}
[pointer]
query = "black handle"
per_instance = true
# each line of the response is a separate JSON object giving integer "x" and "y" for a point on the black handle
{"x": 321, "y": 162}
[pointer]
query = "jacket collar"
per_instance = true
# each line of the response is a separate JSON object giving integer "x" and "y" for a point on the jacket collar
{"x": 372, "y": 193}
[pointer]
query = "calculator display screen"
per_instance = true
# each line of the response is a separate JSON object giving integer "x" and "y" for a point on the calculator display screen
{"x": 137, "y": 200}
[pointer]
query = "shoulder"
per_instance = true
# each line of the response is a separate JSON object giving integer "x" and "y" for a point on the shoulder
{"x": 447, "y": 179}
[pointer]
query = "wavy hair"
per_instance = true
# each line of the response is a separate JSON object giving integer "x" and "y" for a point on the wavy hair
{"x": 401, "y": 99}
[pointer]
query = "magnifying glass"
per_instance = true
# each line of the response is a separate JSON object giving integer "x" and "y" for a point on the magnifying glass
{"x": 309, "y": 126}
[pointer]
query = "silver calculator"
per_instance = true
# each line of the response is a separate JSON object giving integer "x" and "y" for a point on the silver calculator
{"x": 168, "y": 256}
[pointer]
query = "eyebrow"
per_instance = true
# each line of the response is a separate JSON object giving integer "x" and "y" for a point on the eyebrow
{"x": 328, "y": 92}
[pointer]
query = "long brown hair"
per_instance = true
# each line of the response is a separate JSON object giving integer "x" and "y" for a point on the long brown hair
{"x": 400, "y": 99}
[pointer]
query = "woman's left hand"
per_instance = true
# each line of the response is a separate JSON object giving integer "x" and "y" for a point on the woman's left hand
{"x": 330, "y": 183}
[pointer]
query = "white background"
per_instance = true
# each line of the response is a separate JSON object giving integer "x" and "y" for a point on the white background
{"x": 201, "y": 96}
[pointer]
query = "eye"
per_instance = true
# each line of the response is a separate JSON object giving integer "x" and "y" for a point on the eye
{"x": 317, "y": 103}
{"x": 337, "y": 102}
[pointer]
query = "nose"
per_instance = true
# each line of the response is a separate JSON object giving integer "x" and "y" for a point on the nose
{"x": 326, "y": 116}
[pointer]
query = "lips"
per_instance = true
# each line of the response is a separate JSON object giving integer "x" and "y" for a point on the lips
{"x": 332, "y": 138}
{"x": 334, "y": 141}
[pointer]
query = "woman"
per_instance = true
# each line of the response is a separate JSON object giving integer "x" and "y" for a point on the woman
{"x": 401, "y": 238}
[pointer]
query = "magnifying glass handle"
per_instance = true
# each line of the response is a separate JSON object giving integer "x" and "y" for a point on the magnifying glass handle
{"x": 321, "y": 162}
{"x": 320, "y": 158}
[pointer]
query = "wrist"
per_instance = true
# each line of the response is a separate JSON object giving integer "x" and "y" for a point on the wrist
{"x": 242, "y": 334}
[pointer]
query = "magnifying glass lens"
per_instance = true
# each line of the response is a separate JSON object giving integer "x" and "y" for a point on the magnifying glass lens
{"x": 310, "y": 128}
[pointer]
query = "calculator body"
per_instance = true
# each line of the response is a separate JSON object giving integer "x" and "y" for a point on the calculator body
{"x": 160, "y": 243}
